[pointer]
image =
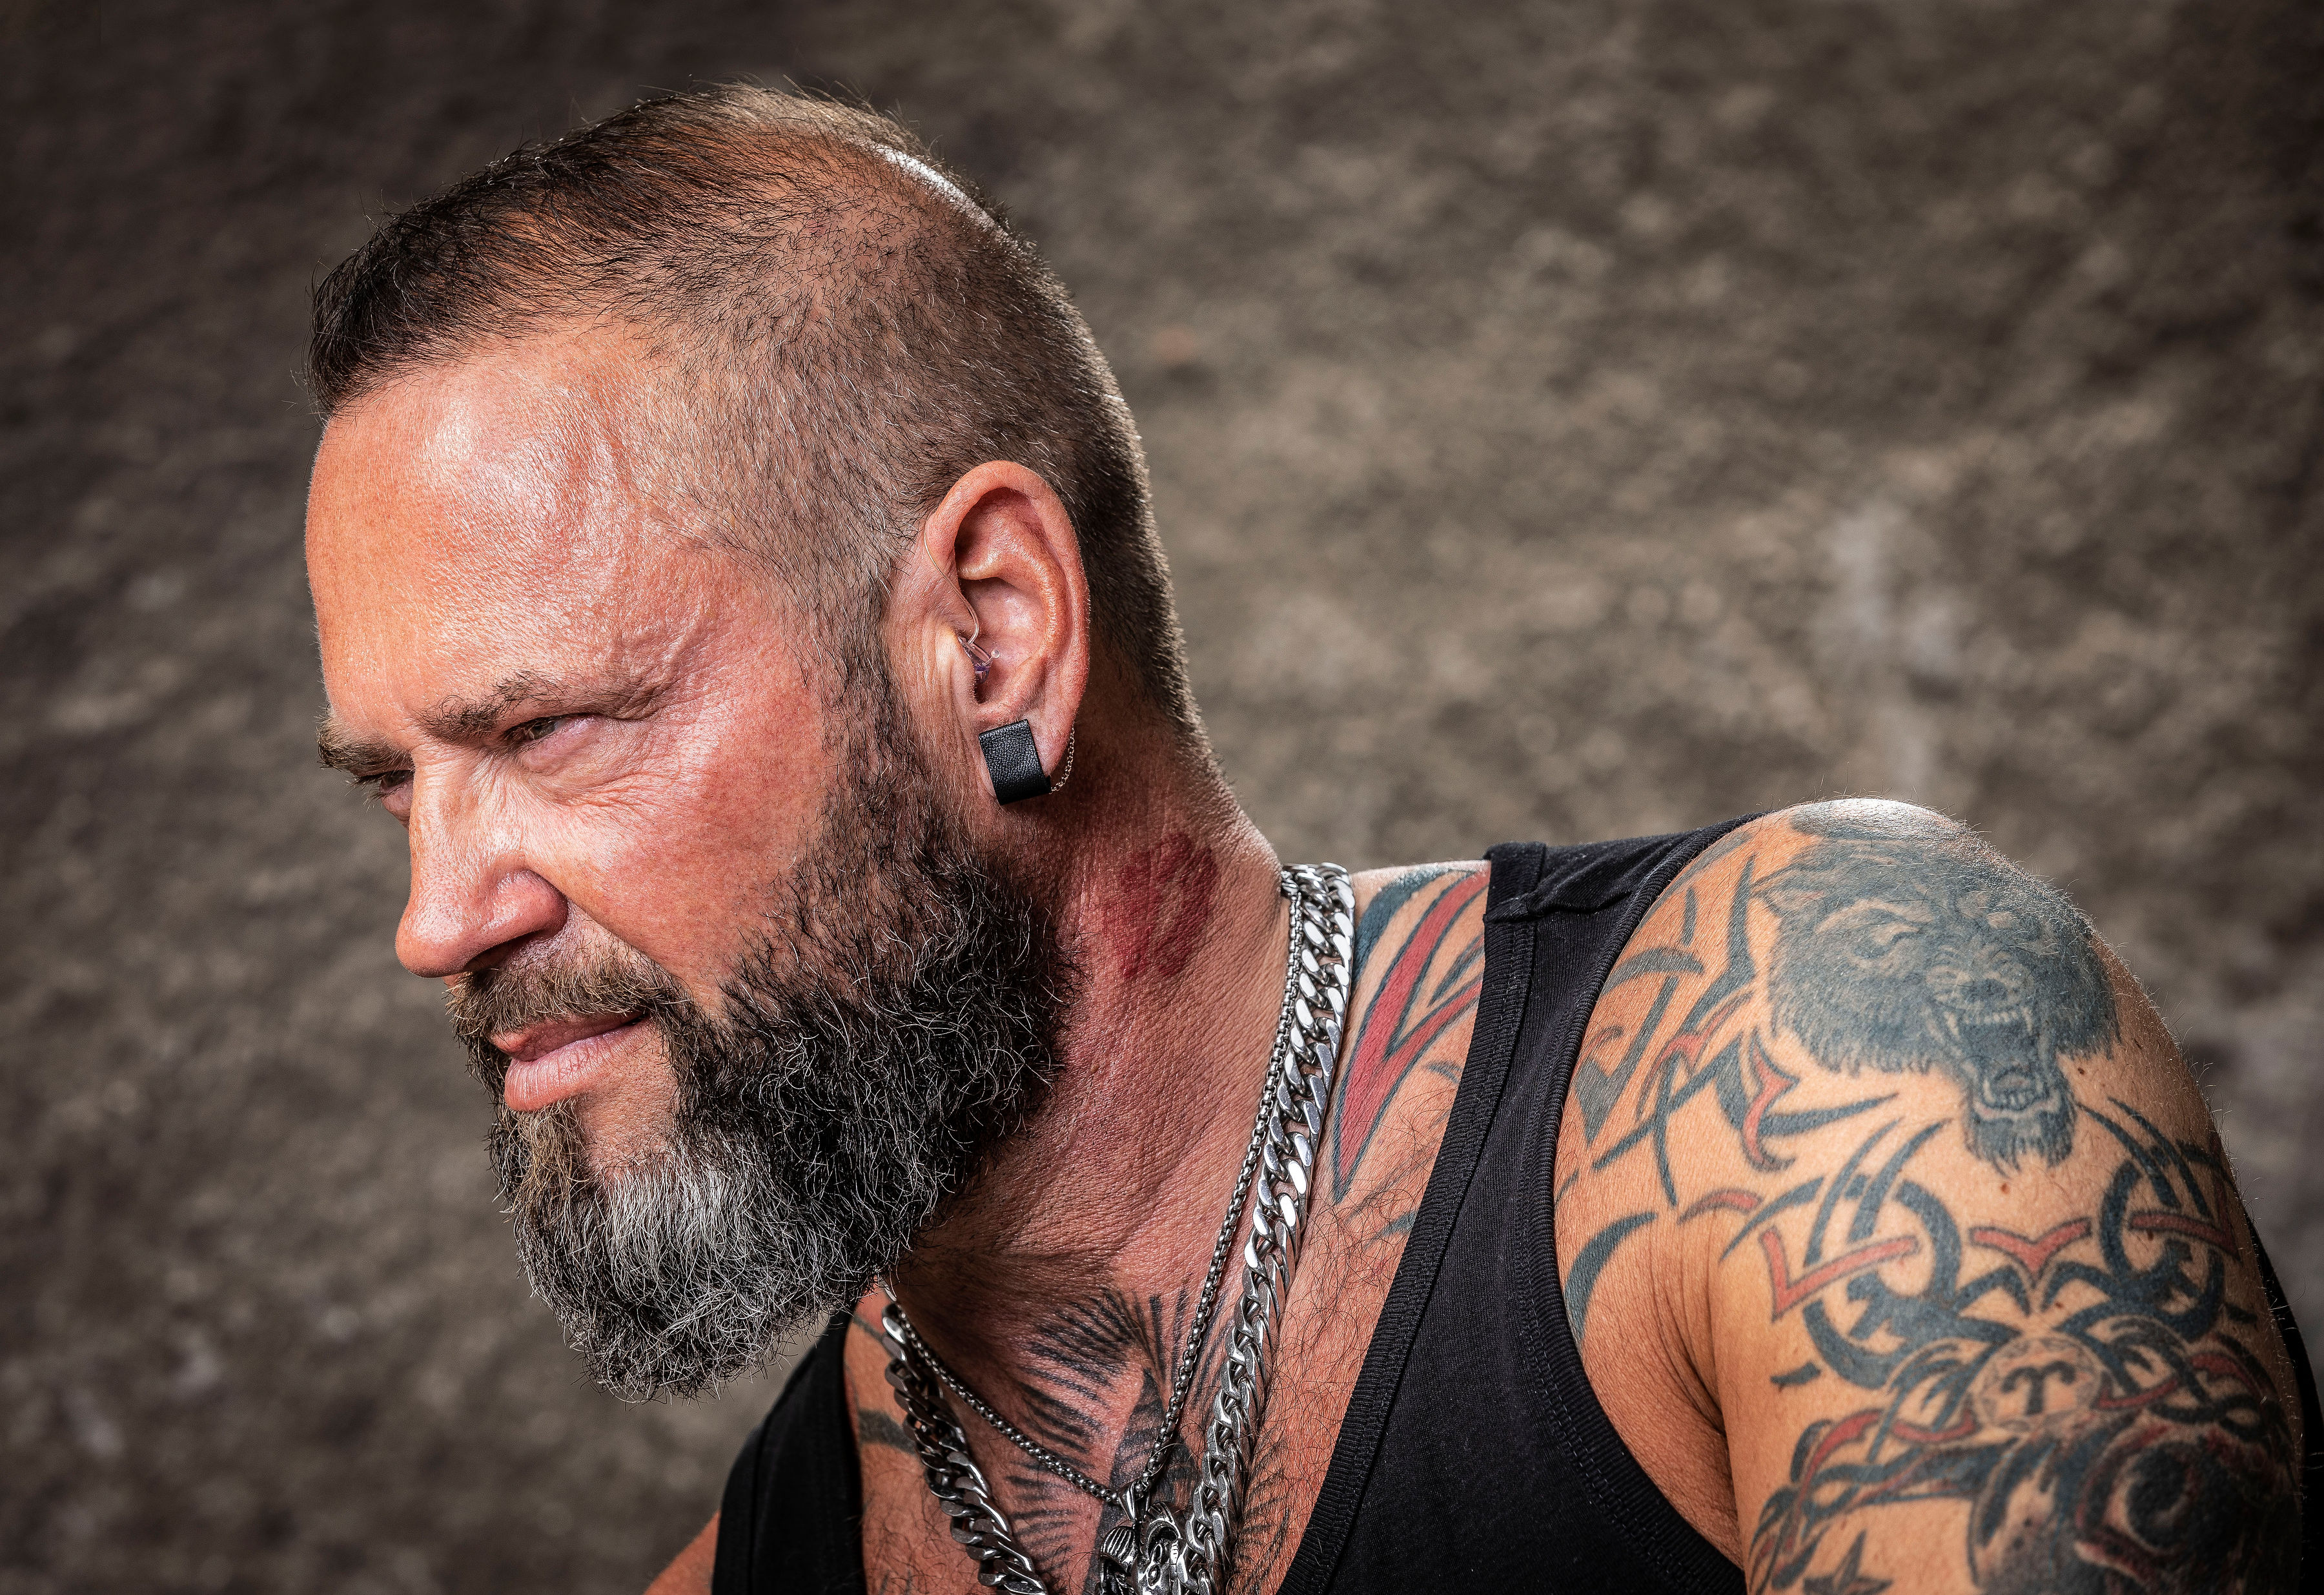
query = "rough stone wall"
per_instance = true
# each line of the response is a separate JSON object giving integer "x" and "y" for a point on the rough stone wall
{"x": 1567, "y": 420}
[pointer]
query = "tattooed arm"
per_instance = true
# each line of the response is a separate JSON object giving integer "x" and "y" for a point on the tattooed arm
{"x": 1899, "y": 1244}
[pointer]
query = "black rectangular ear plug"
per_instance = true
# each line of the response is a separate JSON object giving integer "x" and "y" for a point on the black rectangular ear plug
{"x": 1014, "y": 762}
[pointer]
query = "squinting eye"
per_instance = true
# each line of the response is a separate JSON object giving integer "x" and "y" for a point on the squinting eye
{"x": 385, "y": 784}
{"x": 534, "y": 730}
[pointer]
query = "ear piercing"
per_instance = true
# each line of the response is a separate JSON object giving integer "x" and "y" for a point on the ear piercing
{"x": 1013, "y": 762}
{"x": 1011, "y": 757}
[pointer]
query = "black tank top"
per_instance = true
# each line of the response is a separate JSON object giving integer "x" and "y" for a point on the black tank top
{"x": 1473, "y": 1455}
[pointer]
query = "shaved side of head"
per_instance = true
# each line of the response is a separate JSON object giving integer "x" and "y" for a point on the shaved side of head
{"x": 844, "y": 327}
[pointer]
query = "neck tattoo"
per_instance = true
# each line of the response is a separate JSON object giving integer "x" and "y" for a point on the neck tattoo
{"x": 1163, "y": 1550}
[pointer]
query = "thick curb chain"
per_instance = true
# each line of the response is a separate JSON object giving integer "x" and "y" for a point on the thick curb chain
{"x": 954, "y": 1477}
{"x": 1294, "y": 1131}
{"x": 1187, "y": 1555}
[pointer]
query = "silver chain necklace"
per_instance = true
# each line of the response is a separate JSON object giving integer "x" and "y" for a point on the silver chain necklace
{"x": 1198, "y": 1331}
{"x": 1160, "y": 1551}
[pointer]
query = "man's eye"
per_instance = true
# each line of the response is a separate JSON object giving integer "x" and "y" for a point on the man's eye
{"x": 534, "y": 730}
{"x": 383, "y": 784}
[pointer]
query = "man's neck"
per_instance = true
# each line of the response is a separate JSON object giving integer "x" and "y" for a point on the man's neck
{"x": 1103, "y": 1210}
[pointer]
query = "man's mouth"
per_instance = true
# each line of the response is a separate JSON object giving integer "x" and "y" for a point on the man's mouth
{"x": 555, "y": 1058}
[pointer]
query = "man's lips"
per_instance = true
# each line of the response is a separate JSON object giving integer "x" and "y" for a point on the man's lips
{"x": 537, "y": 1041}
{"x": 554, "y": 1059}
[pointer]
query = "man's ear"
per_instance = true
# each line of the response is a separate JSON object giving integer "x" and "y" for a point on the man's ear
{"x": 1000, "y": 564}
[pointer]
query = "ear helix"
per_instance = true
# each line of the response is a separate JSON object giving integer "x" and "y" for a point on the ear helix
{"x": 1011, "y": 757}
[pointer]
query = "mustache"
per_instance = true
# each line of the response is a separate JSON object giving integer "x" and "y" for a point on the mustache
{"x": 616, "y": 979}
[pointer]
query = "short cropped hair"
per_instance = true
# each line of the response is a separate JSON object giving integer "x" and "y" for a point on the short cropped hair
{"x": 849, "y": 327}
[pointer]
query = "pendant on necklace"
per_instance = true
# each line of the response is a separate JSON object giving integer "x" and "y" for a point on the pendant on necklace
{"x": 1147, "y": 1556}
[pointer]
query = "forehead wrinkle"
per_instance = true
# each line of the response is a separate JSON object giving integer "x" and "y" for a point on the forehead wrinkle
{"x": 520, "y": 458}
{"x": 612, "y": 451}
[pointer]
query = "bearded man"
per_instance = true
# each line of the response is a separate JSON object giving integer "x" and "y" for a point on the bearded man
{"x": 734, "y": 568}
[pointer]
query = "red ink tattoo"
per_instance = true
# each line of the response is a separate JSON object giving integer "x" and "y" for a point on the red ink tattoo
{"x": 1769, "y": 1083}
{"x": 1729, "y": 1200}
{"x": 1392, "y": 1037}
{"x": 1790, "y": 1293}
{"x": 2033, "y": 1254}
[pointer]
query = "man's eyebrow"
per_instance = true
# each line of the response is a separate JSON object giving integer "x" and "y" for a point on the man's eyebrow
{"x": 464, "y": 721}
{"x": 458, "y": 721}
{"x": 453, "y": 720}
{"x": 342, "y": 750}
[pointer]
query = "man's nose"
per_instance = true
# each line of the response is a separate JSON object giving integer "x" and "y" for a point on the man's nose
{"x": 474, "y": 896}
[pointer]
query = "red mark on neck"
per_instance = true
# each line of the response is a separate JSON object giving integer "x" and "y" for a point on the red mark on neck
{"x": 1162, "y": 900}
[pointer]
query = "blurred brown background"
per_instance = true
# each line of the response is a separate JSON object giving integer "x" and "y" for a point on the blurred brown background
{"x": 1567, "y": 420}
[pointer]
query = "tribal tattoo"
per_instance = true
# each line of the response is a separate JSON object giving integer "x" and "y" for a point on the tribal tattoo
{"x": 1741, "y": 1077}
{"x": 1428, "y": 993}
{"x": 2099, "y": 1394}
{"x": 2092, "y": 1394}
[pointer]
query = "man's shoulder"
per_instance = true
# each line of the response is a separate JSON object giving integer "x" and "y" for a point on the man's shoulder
{"x": 1885, "y": 1197}
{"x": 1381, "y": 894}
{"x": 1818, "y": 963}
{"x": 1880, "y": 835}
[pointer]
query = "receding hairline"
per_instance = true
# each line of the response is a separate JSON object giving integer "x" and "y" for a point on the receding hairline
{"x": 878, "y": 194}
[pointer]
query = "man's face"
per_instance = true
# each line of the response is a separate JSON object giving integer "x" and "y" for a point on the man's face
{"x": 597, "y": 733}
{"x": 751, "y": 1000}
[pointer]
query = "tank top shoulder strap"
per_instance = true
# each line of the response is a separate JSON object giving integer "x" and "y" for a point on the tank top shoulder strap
{"x": 791, "y": 1518}
{"x": 1467, "y": 1458}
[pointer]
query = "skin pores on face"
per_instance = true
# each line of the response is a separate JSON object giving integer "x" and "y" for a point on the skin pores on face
{"x": 592, "y": 724}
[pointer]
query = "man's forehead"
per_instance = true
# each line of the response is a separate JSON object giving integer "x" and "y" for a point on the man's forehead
{"x": 481, "y": 525}
{"x": 518, "y": 452}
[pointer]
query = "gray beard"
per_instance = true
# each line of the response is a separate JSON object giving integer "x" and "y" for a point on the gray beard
{"x": 869, "y": 1054}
